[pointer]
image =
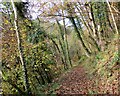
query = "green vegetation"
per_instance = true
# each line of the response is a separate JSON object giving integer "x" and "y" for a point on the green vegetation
{"x": 39, "y": 51}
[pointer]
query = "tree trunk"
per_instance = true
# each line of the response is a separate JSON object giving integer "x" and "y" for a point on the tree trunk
{"x": 25, "y": 75}
{"x": 79, "y": 36}
{"x": 86, "y": 23}
{"x": 63, "y": 56}
{"x": 114, "y": 22}
{"x": 62, "y": 44}
{"x": 66, "y": 43}
{"x": 93, "y": 22}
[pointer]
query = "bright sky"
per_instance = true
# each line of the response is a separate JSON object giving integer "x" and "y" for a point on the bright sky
{"x": 35, "y": 12}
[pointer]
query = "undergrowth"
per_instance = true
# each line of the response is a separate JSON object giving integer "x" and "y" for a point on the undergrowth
{"x": 103, "y": 68}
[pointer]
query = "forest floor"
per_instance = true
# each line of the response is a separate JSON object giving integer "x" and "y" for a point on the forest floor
{"x": 96, "y": 75}
{"x": 76, "y": 82}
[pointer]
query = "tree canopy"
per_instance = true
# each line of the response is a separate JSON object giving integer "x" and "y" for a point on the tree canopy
{"x": 43, "y": 40}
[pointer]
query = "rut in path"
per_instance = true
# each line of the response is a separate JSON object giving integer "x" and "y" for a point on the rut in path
{"x": 75, "y": 82}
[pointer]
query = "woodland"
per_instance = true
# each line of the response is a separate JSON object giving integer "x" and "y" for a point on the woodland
{"x": 59, "y": 48}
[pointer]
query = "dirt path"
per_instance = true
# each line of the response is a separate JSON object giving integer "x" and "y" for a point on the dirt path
{"x": 75, "y": 82}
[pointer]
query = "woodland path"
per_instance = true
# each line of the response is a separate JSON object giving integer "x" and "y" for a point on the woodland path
{"x": 75, "y": 82}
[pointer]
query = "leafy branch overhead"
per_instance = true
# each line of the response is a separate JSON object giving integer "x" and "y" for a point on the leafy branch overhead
{"x": 60, "y": 47}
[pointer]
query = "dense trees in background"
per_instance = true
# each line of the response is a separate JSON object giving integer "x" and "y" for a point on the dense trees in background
{"x": 36, "y": 51}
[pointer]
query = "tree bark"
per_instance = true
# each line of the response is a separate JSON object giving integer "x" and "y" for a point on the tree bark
{"x": 79, "y": 36}
{"x": 25, "y": 75}
{"x": 62, "y": 44}
{"x": 66, "y": 42}
{"x": 86, "y": 23}
{"x": 112, "y": 17}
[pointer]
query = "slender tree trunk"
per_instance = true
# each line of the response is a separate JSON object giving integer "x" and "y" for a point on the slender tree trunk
{"x": 41, "y": 77}
{"x": 55, "y": 44}
{"x": 40, "y": 74}
{"x": 107, "y": 16}
{"x": 63, "y": 56}
{"x": 38, "y": 79}
{"x": 71, "y": 11}
{"x": 94, "y": 25}
{"x": 79, "y": 36}
{"x": 86, "y": 23}
{"x": 57, "y": 49}
{"x": 67, "y": 49}
{"x": 112, "y": 17}
{"x": 62, "y": 44}
{"x": 25, "y": 75}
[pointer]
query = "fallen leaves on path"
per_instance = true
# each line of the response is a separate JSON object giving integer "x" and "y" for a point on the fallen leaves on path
{"x": 75, "y": 82}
